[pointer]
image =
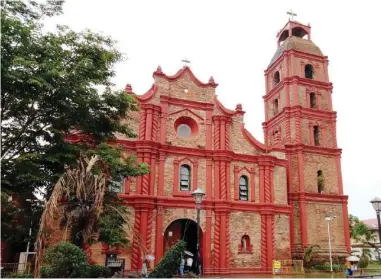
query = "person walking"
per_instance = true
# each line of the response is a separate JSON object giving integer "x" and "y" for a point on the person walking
{"x": 182, "y": 265}
{"x": 145, "y": 269}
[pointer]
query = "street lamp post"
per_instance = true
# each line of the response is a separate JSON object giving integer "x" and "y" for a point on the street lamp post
{"x": 376, "y": 202}
{"x": 329, "y": 218}
{"x": 198, "y": 196}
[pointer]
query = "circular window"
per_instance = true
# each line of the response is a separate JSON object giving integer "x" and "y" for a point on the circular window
{"x": 184, "y": 130}
{"x": 186, "y": 127}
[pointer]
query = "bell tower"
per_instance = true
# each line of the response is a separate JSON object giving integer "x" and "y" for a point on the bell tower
{"x": 299, "y": 118}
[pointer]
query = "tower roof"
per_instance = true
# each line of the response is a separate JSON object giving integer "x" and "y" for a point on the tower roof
{"x": 296, "y": 43}
{"x": 295, "y": 36}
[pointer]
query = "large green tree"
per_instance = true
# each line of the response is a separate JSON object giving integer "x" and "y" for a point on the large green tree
{"x": 51, "y": 85}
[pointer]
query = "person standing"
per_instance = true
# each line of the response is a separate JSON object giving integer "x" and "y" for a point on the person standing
{"x": 199, "y": 264}
{"x": 145, "y": 269}
{"x": 182, "y": 265}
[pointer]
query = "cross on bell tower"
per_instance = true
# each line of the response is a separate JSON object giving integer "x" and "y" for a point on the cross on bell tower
{"x": 292, "y": 14}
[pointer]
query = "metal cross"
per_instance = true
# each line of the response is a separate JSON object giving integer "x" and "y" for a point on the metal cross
{"x": 186, "y": 62}
{"x": 292, "y": 14}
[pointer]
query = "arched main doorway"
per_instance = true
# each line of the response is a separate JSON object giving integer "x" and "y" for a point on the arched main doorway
{"x": 183, "y": 229}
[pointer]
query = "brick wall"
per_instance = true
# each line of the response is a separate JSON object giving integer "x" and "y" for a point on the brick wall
{"x": 327, "y": 164}
{"x": 241, "y": 224}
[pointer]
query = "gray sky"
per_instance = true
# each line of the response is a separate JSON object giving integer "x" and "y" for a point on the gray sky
{"x": 233, "y": 41}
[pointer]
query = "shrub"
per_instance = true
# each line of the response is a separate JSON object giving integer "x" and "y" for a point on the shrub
{"x": 327, "y": 266}
{"x": 64, "y": 261}
{"x": 170, "y": 263}
{"x": 98, "y": 271}
{"x": 20, "y": 275}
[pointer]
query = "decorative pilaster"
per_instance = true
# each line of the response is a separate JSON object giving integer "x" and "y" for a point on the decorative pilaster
{"x": 155, "y": 123}
{"x": 160, "y": 190}
{"x": 146, "y": 177}
{"x": 223, "y": 240}
{"x": 149, "y": 124}
{"x": 207, "y": 240}
{"x": 135, "y": 261}
{"x": 142, "y": 124}
{"x": 263, "y": 243}
{"x": 261, "y": 183}
{"x": 159, "y": 235}
{"x": 217, "y": 134}
{"x": 227, "y": 135}
{"x": 216, "y": 180}
{"x": 223, "y": 133}
{"x": 223, "y": 180}
{"x": 217, "y": 234}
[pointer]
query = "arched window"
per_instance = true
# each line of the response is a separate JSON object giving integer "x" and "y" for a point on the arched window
{"x": 316, "y": 135}
{"x": 183, "y": 130}
{"x": 312, "y": 100}
{"x": 320, "y": 180}
{"x": 185, "y": 178}
{"x": 276, "y": 106}
{"x": 243, "y": 188}
{"x": 309, "y": 71}
{"x": 276, "y": 78}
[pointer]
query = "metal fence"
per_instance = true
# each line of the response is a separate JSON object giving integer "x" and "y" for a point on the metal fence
{"x": 19, "y": 268}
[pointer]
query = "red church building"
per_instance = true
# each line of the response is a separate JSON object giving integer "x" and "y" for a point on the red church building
{"x": 264, "y": 201}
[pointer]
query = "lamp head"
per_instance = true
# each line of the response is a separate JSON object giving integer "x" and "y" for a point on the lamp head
{"x": 198, "y": 195}
{"x": 376, "y": 202}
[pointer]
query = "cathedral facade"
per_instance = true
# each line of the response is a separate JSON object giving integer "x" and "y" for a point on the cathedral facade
{"x": 264, "y": 201}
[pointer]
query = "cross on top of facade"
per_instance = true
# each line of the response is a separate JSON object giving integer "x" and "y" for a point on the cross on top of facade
{"x": 186, "y": 62}
{"x": 292, "y": 14}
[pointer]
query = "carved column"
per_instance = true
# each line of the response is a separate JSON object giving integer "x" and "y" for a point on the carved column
{"x": 155, "y": 122}
{"x": 207, "y": 239}
{"x": 149, "y": 124}
{"x": 136, "y": 256}
{"x": 223, "y": 180}
{"x": 216, "y": 180}
{"x": 142, "y": 124}
{"x": 217, "y": 134}
{"x": 223, "y": 133}
{"x": 223, "y": 240}
{"x": 261, "y": 183}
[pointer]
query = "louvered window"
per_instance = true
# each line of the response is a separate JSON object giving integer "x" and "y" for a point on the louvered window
{"x": 243, "y": 188}
{"x": 185, "y": 178}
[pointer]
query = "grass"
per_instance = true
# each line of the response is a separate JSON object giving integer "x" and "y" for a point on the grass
{"x": 374, "y": 265}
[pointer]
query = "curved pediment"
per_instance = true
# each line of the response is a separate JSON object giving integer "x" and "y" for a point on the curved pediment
{"x": 185, "y": 71}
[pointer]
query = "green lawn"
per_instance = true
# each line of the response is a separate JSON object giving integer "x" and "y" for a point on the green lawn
{"x": 374, "y": 265}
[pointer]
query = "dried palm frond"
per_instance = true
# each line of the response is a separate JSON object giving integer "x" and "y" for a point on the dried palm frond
{"x": 85, "y": 191}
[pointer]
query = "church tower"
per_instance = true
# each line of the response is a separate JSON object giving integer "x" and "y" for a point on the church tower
{"x": 300, "y": 118}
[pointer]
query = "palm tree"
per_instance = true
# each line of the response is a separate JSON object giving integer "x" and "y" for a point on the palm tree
{"x": 84, "y": 188}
